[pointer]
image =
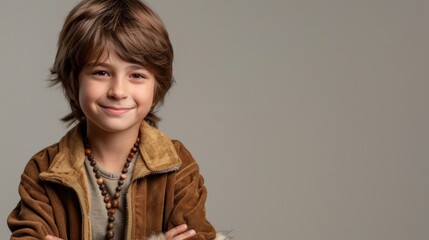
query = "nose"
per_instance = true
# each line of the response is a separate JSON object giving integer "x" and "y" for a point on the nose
{"x": 118, "y": 89}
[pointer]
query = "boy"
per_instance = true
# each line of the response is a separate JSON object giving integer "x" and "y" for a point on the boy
{"x": 113, "y": 175}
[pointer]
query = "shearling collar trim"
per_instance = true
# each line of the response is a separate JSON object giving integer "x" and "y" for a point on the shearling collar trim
{"x": 158, "y": 155}
{"x": 157, "y": 150}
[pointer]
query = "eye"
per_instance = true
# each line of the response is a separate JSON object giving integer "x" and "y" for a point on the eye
{"x": 138, "y": 76}
{"x": 100, "y": 73}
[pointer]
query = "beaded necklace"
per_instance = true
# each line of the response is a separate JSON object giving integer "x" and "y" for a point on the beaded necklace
{"x": 112, "y": 203}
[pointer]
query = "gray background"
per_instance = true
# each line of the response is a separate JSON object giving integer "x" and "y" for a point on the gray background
{"x": 309, "y": 118}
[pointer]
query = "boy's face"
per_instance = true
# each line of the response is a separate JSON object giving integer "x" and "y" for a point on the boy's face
{"x": 115, "y": 95}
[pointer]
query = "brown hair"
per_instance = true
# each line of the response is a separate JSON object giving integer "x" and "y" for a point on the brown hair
{"x": 137, "y": 35}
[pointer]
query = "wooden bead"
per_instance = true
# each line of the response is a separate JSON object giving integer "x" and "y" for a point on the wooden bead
{"x": 110, "y": 226}
{"x": 110, "y": 234}
{"x": 100, "y": 181}
{"x": 106, "y": 198}
{"x": 116, "y": 195}
{"x": 108, "y": 206}
{"x": 111, "y": 212}
{"x": 115, "y": 203}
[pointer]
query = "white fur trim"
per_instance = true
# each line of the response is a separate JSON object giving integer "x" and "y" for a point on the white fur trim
{"x": 221, "y": 236}
{"x": 157, "y": 237}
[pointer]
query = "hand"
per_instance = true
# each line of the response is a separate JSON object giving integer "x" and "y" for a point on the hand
{"x": 178, "y": 233}
{"x": 50, "y": 237}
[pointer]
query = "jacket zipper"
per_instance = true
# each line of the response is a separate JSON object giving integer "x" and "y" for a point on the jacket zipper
{"x": 129, "y": 186}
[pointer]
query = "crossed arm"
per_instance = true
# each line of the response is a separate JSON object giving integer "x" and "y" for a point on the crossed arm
{"x": 178, "y": 233}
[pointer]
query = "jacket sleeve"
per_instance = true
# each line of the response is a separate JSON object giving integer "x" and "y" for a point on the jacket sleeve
{"x": 33, "y": 217}
{"x": 190, "y": 196}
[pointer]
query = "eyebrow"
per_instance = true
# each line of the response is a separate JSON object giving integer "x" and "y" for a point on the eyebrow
{"x": 132, "y": 66}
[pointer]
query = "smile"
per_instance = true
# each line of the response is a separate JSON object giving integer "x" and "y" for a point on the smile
{"x": 115, "y": 111}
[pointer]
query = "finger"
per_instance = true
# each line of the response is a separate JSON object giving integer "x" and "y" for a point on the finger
{"x": 50, "y": 237}
{"x": 175, "y": 231}
{"x": 184, "y": 235}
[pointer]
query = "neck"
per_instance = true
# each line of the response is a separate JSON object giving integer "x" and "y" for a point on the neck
{"x": 111, "y": 149}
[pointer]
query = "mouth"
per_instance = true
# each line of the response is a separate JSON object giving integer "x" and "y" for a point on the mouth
{"x": 116, "y": 111}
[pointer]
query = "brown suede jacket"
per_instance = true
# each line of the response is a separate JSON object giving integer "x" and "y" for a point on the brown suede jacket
{"x": 166, "y": 190}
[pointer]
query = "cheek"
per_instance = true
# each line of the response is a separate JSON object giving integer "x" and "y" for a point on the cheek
{"x": 87, "y": 93}
{"x": 147, "y": 93}
{"x": 144, "y": 97}
{"x": 82, "y": 95}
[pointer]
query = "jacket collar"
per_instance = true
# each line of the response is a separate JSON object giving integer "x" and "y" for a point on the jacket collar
{"x": 157, "y": 155}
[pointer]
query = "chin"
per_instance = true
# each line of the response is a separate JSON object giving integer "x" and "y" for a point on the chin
{"x": 117, "y": 126}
